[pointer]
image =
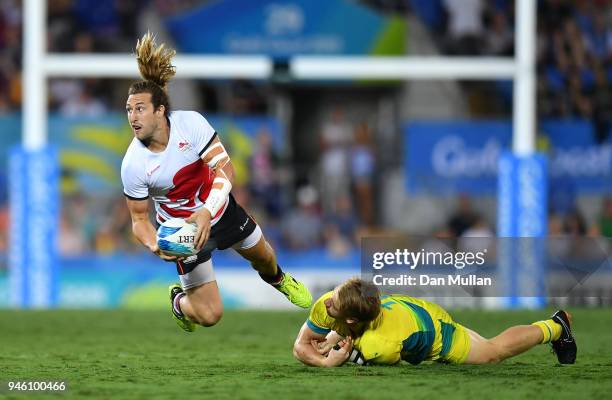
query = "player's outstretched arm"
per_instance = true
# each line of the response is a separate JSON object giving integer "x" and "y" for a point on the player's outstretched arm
{"x": 304, "y": 350}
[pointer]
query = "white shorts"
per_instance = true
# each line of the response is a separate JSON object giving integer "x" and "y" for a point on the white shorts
{"x": 250, "y": 240}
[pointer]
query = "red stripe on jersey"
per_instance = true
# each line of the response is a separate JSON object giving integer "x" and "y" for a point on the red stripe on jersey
{"x": 188, "y": 181}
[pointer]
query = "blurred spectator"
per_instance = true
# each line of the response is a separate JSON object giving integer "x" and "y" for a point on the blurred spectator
{"x": 561, "y": 196}
{"x": 127, "y": 13}
{"x": 71, "y": 240}
{"x": 336, "y": 137}
{"x": 99, "y": 17}
{"x": 478, "y": 237}
{"x": 83, "y": 105}
{"x": 602, "y": 104}
{"x": 247, "y": 98}
{"x": 575, "y": 224}
{"x": 10, "y": 55}
{"x": 465, "y": 26}
{"x": 63, "y": 90}
{"x": 264, "y": 183}
{"x": 574, "y": 53}
{"x": 105, "y": 241}
{"x": 80, "y": 211}
{"x": 559, "y": 244}
{"x": 464, "y": 218}
{"x": 500, "y": 39}
{"x": 572, "y": 63}
{"x": 362, "y": 173}
{"x": 83, "y": 43}
{"x": 336, "y": 244}
{"x": 599, "y": 38}
{"x": 343, "y": 218}
{"x": 480, "y": 228}
{"x": 555, "y": 225}
{"x": 605, "y": 220}
{"x": 302, "y": 226}
{"x": 340, "y": 230}
{"x": 4, "y": 226}
{"x": 61, "y": 25}
{"x": 121, "y": 226}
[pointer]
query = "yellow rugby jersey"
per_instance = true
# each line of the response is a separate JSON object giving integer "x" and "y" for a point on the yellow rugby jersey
{"x": 407, "y": 329}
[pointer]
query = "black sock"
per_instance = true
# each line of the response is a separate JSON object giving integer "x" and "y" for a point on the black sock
{"x": 273, "y": 280}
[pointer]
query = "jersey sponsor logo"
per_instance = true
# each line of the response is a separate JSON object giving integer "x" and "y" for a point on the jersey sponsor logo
{"x": 184, "y": 145}
{"x": 149, "y": 173}
{"x": 244, "y": 225}
{"x": 190, "y": 258}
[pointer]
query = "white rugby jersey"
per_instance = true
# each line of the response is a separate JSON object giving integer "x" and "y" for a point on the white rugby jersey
{"x": 176, "y": 179}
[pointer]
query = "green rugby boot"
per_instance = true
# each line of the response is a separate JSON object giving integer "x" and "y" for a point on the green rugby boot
{"x": 295, "y": 291}
{"x": 181, "y": 319}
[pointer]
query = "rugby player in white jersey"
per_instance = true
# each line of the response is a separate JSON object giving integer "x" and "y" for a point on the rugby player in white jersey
{"x": 177, "y": 160}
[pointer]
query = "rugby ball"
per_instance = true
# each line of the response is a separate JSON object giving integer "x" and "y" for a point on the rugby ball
{"x": 176, "y": 237}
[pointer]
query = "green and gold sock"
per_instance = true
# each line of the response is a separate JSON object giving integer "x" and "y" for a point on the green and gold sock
{"x": 550, "y": 329}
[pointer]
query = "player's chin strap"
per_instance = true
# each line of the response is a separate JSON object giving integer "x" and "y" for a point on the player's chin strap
{"x": 221, "y": 186}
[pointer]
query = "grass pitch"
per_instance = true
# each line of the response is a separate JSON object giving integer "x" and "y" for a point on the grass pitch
{"x": 144, "y": 355}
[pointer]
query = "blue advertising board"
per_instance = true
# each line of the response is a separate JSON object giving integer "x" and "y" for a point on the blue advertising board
{"x": 34, "y": 198}
{"x": 463, "y": 156}
{"x": 91, "y": 149}
{"x": 283, "y": 29}
{"x": 522, "y": 208}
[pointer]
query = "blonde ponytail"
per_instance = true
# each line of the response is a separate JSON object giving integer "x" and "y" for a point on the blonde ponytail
{"x": 154, "y": 62}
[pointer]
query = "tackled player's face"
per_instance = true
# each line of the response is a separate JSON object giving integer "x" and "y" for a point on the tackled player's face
{"x": 142, "y": 116}
{"x": 331, "y": 305}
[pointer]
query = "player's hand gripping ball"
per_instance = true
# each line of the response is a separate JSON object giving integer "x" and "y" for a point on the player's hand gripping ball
{"x": 176, "y": 237}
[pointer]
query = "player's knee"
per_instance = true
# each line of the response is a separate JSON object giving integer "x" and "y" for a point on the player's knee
{"x": 492, "y": 359}
{"x": 486, "y": 353}
{"x": 208, "y": 316}
{"x": 494, "y": 355}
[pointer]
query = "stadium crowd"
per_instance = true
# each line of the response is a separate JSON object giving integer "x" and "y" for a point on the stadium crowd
{"x": 574, "y": 53}
{"x": 574, "y": 66}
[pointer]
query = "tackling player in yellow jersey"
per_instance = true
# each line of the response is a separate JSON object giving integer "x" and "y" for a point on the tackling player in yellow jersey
{"x": 356, "y": 323}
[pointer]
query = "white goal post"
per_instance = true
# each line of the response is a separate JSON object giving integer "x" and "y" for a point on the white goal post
{"x": 40, "y": 65}
{"x": 34, "y": 167}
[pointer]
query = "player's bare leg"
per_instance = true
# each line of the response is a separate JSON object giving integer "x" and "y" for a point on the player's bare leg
{"x": 202, "y": 304}
{"x": 511, "y": 342}
{"x": 263, "y": 260}
{"x": 518, "y": 339}
{"x": 262, "y": 257}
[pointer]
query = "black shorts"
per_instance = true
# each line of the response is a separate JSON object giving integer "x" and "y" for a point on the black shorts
{"x": 234, "y": 226}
